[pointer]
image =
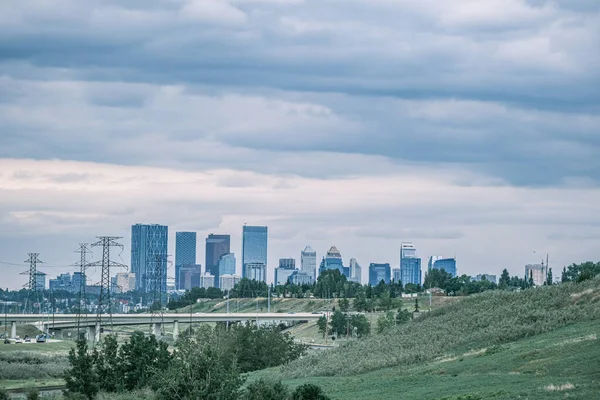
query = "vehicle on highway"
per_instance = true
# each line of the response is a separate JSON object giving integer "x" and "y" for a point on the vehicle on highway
{"x": 18, "y": 340}
{"x": 6, "y": 341}
{"x": 41, "y": 338}
{"x": 27, "y": 339}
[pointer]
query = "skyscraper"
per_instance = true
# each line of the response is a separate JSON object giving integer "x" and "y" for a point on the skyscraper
{"x": 40, "y": 281}
{"x": 189, "y": 276}
{"x": 537, "y": 272}
{"x": 149, "y": 247}
{"x": 410, "y": 265}
{"x": 185, "y": 253}
{"x": 287, "y": 266}
{"x": 355, "y": 271}
{"x": 256, "y": 271}
{"x": 333, "y": 260}
{"x": 216, "y": 246}
{"x": 254, "y": 251}
{"x": 227, "y": 264}
{"x": 378, "y": 273}
{"x": 445, "y": 263}
{"x": 308, "y": 261}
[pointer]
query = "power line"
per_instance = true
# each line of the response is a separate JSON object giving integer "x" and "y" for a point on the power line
{"x": 32, "y": 293}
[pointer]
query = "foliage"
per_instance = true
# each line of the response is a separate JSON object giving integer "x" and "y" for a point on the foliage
{"x": 360, "y": 325}
{"x": 247, "y": 288}
{"x": 344, "y": 304}
{"x": 191, "y": 296}
{"x": 81, "y": 377}
{"x": 309, "y": 392}
{"x": 139, "y": 361}
{"x": 322, "y": 325}
{"x": 437, "y": 278}
{"x": 403, "y": 316}
{"x": 580, "y": 272}
{"x": 480, "y": 321}
{"x": 203, "y": 367}
{"x": 339, "y": 323}
{"x": 330, "y": 284}
{"x": 33, "y": 394}
{"x": 266, "y": 390}
{"x": 16, "y": 365}
{"x": 3, "y": 394}
{"x": 385, "y": 322}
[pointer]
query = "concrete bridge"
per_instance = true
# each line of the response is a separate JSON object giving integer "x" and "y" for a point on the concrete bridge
{"x": 157, "y": 321}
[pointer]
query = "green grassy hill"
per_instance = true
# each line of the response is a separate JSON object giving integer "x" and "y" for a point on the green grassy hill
{"x": 538, "y": 343}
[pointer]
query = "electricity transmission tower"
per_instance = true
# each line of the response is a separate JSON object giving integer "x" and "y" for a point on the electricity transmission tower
{"x": 157, "y": 282}
{"x": 32, "y": 287}
{"x": 81, "y": 297}
{"x": 104, "y": 298}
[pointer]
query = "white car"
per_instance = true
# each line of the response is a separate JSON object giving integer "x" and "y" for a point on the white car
{"x": 18, "y": 340}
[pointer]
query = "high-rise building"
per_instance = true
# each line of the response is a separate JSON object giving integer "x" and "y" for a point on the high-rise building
{"x": 538, "y": 272}
{"x": 228, "y": 281}
{"x": 189, "y": 276}
{"x": 62, "y": 282}
{"x": 396, "y": 275}
{"x": 216, "y": 246}
{"x": 149, "y": 251}
{"x": 254, "y": 249}
{"x": 78, "y": 277}
{"x": 410, "y": 264}
{"x": 445, "y": 263}
{"x": 355, "y": 271}
{"x": 486, "y": 277}
{"x": 301, "y": 278}
{"x": 287, "y": 266}
{"x": 333, "y": 260}
{"x": 40, "y": 281}
{"x": 308, "y": 261}
{"x": 227, "y": 264}
{"x": 378, "y": 273}
{"x": 256, "y": 271}
{"x": 207, "y": 280}
{"x": 125, "y": 281}
{"x": 287, "y": 263}
{"x": 185, "y": 252}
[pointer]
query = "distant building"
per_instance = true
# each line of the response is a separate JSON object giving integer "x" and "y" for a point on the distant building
{"x": 207, "y": 280}
{"x": 216, "y": 247}
{"x": 445, "y": 263}
{"x": 125, "y": 282}
{"x": 301, "y": 278}
{"x": 254, "y": 251}
{"x": 410, "y": 265}
{"x": 396, "y": 275}
{"x": 333, "y": 260}
{"x": 189, "y": 276}
{"x": 256, "y": 271}
{"x": 538, "y": 272}
{"x": 308, "y": 261}
{"x": 287, "y": 263}
{"x": 149, "y": 255}
{"x": 40, "y": 281}
{"x": 62, "y": 282}
{"x": 77, "y": 280}
{"x": 227, "y": 264}
{"x": 282, "y": 275}
{"x": 355, "y": 271}
{"x": 378, "y": 273}
{"x": 485, "y": 277}
{"x": 185, "y": 252}
{"x": 228, "y": 281}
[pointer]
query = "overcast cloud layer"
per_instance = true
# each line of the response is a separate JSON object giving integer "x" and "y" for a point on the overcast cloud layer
{"x": 469, "y": 127}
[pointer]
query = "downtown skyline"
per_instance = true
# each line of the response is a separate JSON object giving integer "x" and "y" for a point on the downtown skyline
{"x": 469, "y": 130}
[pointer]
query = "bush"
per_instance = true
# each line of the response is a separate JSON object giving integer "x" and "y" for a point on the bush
{"x": 309, "y": 392}
{"x": 3, "y": 394}
{"x": 266, "y": 390}
{"x": 33, "y": 394}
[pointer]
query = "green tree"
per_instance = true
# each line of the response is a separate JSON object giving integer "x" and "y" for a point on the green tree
{"x": 344, "y": 304}
{"x": 385, "y": 322}
{"x": 386, "y": 302}
{"x": 266, "y": 390}
{"x": 360, "y": 325}
{"x": 108, "y": 365}
{"x": 33, "y": 394}
{"x": 416, "y": 304}
{"x": 309, "y": 392}
{"x": 81, "y": 376}
{"x": 504, "y": 281}
{"x": 203, "y": 367}
{"x": 322, "y": 325}
{"x": 437, "y": 278}
{"x": 3, "y": 394}
{"x": 549, "y": 277}
{"x": 360, "y": 303}
{"x": 403, "y": 316}
{"x": 338, "y": 323}
{"x": 142, "y": 358}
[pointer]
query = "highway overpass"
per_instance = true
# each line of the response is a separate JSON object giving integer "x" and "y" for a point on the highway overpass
{"x": 59, "y": 322}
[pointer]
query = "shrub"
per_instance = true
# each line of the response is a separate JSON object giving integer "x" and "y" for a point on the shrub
{"x": 3, "y": 394}
{"x": 266, "y": 390}
{"x": 33, "y": 394}
{"x": 309, "y": 392}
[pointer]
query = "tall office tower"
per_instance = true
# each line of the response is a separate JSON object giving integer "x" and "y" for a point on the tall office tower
{"x": 396, "y": 275}
{"x": 445, "y": 263}
{"x": 355, "y": 271}
{"x": 189, "y": 276}
{"x": 308, "y": 261}
{"x": 185, "y": 252}
{"x": 227, "y": 264}
{"x": 536, "y": 271}
{"x": 254, "y": 249}
{"x": 256, "y": 271}
{"x": 40, "y": 281}
{"x": 149, "y": 250}
{"x": 333, "y": 260}
{"x": 287, "y": 266}
{"x": 410, "y": 265}
{"x": 216, "y": 246}
{"x": 76, "y": 281}
{"x": 378, "y": 273}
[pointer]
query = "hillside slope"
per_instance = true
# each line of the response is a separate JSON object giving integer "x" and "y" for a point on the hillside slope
{"x": 492, "y": 320}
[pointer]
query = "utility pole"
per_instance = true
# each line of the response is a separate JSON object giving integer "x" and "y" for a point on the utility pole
{"x": 157, "y": 285}
{"x": 81, "y": 298}
{"x": 32, "y": 289}
{"x": 104, "y": 299}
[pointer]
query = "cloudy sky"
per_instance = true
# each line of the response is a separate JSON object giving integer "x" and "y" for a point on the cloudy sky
{"x": 469, "y": 127}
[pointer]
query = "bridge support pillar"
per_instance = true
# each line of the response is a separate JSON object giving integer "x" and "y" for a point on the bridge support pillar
{"x": 93, "y": 333}
{"x": 13, "y": 330}
{"x": 175, "y": 329}
{"x": 156, "y": 331}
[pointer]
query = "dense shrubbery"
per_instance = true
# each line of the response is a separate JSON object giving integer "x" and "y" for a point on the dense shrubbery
{"x": 205, "y": 365}
{"x": 16, "y": 365}
{"x": 478, "y": 321}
